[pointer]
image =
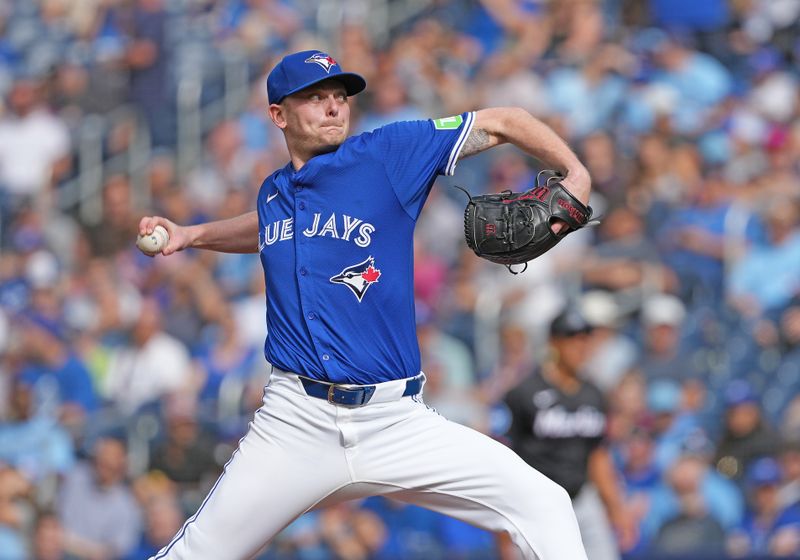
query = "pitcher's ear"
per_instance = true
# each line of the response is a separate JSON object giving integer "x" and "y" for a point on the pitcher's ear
{"x": 277, "y": 114}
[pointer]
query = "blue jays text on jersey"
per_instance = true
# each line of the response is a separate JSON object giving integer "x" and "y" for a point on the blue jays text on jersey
{"x": 283, "y": 230}
{"x": 336, "y": 244}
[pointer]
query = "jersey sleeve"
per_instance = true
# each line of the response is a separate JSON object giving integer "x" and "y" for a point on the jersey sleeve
{"x": 415, "y": 152}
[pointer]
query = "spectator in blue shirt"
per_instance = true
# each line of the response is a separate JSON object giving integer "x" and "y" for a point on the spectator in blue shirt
{"x": 706, "y": 15}
{"x": 768, "y": 527}
{"x": 672, "y": 425}
{"x": 413, "y": 535}
{"x": 640, "y": 477}
{"x": 55, "y": 371}
{"x": 419, "y": 533}
{"x": 693, "y": 482}
{"x": 33, "y": 443}
{"x": 768, "y": 276}
{"x": 587, "y": 97}
{"x": 463, "y": 541}
{"x": 698, "y": 80}
{"x": 226, "y": 358}
{"x": 695, "y": 241}
{"x": 15, "y": 491}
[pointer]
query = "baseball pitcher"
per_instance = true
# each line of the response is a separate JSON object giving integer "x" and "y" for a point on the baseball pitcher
{"x": 343, "y": 414}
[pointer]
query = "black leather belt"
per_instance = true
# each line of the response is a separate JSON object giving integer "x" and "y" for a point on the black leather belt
{"x": 352, "y": 395}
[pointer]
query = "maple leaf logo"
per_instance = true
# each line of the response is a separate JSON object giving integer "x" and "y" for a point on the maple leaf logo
{"x": 371, "y": 274}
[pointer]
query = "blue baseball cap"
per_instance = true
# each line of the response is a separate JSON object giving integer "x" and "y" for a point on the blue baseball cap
{"x": 663, "y": 396}
{"x": 739, "y": 392}
{"x": 765, "y": 471}
{"x": 303, "y": 69}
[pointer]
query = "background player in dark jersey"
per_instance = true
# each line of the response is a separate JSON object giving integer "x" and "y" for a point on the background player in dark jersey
{"x": 558, "y": 427}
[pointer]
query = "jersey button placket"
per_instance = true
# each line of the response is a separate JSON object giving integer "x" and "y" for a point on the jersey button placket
{"x": 303, "y": 252}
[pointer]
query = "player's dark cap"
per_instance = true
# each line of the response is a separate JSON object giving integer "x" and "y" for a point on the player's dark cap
{"x": 303, "y": 69}
{"x": 569, "y": 322}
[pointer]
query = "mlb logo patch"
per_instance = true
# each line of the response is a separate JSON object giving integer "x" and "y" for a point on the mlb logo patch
{"x": 326, "y": 61}
{"x": 359, "y": 277}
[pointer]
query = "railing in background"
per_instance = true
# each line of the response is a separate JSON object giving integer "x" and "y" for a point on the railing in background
{"x": 190, "y": 129}
{"x": 84, "y": 190}
{"x": 381, "y": 16}
{"x": 736, "y": 221}
{"x": 488, "y": 308}
{"x": 194, "y": 121}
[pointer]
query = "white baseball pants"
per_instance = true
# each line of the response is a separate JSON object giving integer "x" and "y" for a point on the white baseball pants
{"x": 301, "y": 453}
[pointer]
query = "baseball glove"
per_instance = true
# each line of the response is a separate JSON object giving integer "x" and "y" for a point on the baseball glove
{"x": 514, "y": 228}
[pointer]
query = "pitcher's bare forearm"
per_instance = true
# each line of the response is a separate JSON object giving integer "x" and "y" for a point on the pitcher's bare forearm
{"x": 516, "y": 126}
{"x": 234, "y": 235}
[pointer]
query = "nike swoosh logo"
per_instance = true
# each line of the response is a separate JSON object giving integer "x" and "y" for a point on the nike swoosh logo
{"x": 270, "y": 197}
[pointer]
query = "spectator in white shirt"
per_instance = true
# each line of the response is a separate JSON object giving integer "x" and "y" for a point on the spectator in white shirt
{"x": 34, "y": 144}
{"x": 152, "y": 365}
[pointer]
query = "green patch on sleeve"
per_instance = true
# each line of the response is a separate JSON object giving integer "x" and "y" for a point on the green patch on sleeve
{"x": 448, "y": 123}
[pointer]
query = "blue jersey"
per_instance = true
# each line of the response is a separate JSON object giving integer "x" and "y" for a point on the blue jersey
{"x": 336, "y": 244}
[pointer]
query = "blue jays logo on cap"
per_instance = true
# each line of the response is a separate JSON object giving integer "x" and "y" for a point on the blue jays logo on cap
{"x": 359, "y": 277}
{"x": 324, "y": 60}
{"x": 303, "y": 69}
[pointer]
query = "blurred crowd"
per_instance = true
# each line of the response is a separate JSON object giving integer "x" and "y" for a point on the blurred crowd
{"x": 126, "y": 381}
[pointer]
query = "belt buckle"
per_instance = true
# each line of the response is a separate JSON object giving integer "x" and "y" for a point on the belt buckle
{"x": 331, "y": 389}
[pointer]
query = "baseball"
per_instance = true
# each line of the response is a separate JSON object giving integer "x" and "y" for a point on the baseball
{"x": 155, "y": 242}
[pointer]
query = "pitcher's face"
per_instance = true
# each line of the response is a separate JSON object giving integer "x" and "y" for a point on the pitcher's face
{"x": 316, "y": 119}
